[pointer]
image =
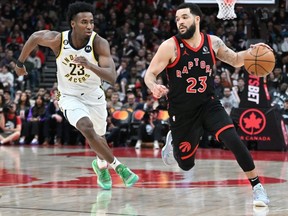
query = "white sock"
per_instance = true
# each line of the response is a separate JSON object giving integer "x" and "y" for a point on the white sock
{"x": 138, "y": 144}
{"x": 102, "y": 164}
{"x": 115, "y": 163}
{"x": 156, "y": 144}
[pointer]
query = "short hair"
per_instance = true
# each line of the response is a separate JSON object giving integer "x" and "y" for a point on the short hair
{"x": 78, "y": 7}
{"x": 241, "y": 78}
{"x": 194, "y": 8}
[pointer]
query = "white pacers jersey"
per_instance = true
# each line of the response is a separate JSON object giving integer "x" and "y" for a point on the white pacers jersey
{"x": 72, "y": 78}
{"x": 80, "y": 94}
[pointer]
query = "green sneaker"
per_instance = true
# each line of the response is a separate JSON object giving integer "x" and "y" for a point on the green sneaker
{"x": 129, "y": 178}
{"x": 103, "y": 176}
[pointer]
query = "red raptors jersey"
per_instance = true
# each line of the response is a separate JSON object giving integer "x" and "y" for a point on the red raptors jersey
{"x": 190, "y": 75}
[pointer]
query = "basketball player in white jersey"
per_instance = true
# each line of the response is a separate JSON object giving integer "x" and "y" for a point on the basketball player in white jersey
{"x": 83, "y": 59}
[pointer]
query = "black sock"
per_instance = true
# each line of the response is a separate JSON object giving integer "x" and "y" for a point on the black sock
{"x": 254, "y": 181}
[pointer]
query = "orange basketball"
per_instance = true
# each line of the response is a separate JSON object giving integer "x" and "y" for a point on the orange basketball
{"x": 259, "y": 61}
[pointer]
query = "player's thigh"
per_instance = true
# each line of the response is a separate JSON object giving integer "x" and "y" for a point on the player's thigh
{"x": 216, "y": 118}
{"x": 186, "y": 133}
{"x": 98, "y": 116}
{"x": 74, "y": 115}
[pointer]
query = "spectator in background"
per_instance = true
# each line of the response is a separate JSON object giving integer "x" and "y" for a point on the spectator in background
{"x": 47, "y": 97}
{"x": 17, "y": 34}
{"x": 3, "y": 33}
{"x": 35, "y": 119}
{"x": 218, "y": 86}
{"x": 17, "y": 96}
{"x": 240, "y": 86}
{"x": 8, "y": 14}
{"x": 284, "y": 49}
{"x": 122, "y": 76}
{"x": 108, "y": 93}
{"x": 7, "y": 96}
{"x": 139, "y": 94}
{"x": 117, "y": 88}
{"x": 34, "y": 74}
{"x": 150, "y": 130}
{"x": 115, "y": 103}
{"x": 13, "y": 44}
{"x": 229, "y": 101}
{"x": 41, "y": 55}
{"x": 53, "y": 126}
{"x": 8, "y": 58}
{"x": 226, "y": 78}
{"x": 7, "y": 78}
{"x": 131, "y": 103}
{"x": 10, "y": 124}
{"x": 41, "y": 92}
{"x": 133, "y": 77}
{"x": 148, "y": 105}
{"x": 18, "y": 80}
{"x": 275, "y": 79}
{"x": 238, "y": 72}
{"x": 280, "y": 96}
{"x": 2, "y": 52}
{"x": 113, "y": 133}
{"x": 115, "y": 56}
{"x": 30, "y": 95}
{"x": 2, "y": 102}
{"x": 23, "y": 107}
{"x": 162, "y": 104}
{"x": 284, "y": 112}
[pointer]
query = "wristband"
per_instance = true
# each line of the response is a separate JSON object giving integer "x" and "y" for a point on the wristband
{"x": 19, "y": 64}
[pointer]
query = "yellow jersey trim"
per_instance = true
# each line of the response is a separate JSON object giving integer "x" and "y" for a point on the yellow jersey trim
{"x": 61, "y": 45}
{"x": 93, "y": 47}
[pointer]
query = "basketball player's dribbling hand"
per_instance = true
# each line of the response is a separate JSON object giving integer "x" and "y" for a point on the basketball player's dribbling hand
{"x": 159, "y": 90}
{"x": 81, "y": 60}
{"x": 260, "y": 44}
{"x": 20, "y": 71}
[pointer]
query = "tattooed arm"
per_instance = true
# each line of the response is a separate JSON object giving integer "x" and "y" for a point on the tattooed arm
{"x": 225, "y": 54}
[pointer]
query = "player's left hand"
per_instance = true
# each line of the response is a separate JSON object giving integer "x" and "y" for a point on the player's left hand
{"x": 260, "y": 44}
{"x": 81, "y": 60}
{"x": 20, "y": 71}
{"x": 159, "y": 90}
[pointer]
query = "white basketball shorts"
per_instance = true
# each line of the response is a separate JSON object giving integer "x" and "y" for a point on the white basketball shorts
{"x": 91, "y": 105}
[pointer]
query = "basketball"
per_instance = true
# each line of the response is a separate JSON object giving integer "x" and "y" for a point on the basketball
{"x": 259, "y": 61}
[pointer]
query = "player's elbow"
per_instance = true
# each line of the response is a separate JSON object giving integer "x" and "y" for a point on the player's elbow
{"x": 36, "y": 36}
{"x": 112, "y": 80}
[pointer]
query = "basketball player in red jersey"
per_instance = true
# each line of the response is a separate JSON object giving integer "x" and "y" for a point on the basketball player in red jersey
{"x": 83, "y": 59}
{"x": 188, "y": 58}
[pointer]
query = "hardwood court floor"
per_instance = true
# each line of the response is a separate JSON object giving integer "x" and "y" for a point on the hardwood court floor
{"x": 39, "y": 181}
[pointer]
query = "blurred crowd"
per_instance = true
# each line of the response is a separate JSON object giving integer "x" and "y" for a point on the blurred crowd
{"x": 134, "y": 29}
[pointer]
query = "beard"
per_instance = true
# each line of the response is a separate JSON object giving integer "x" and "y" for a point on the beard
{"x": 189, "y": 33}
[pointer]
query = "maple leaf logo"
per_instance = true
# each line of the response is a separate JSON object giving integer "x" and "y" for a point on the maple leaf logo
{"x": 252, "y": 121}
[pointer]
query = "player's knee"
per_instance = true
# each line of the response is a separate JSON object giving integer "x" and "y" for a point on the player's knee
{"x": 84, "y": 123}
{"x": 85, "y": 126}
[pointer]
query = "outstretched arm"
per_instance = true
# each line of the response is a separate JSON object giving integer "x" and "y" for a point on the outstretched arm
{"x": 51, "y": 39}
{"x": 225, "y": 54}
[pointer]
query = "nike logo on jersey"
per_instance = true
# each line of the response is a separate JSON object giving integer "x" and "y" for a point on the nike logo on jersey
{"x": 100, "y": 97}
